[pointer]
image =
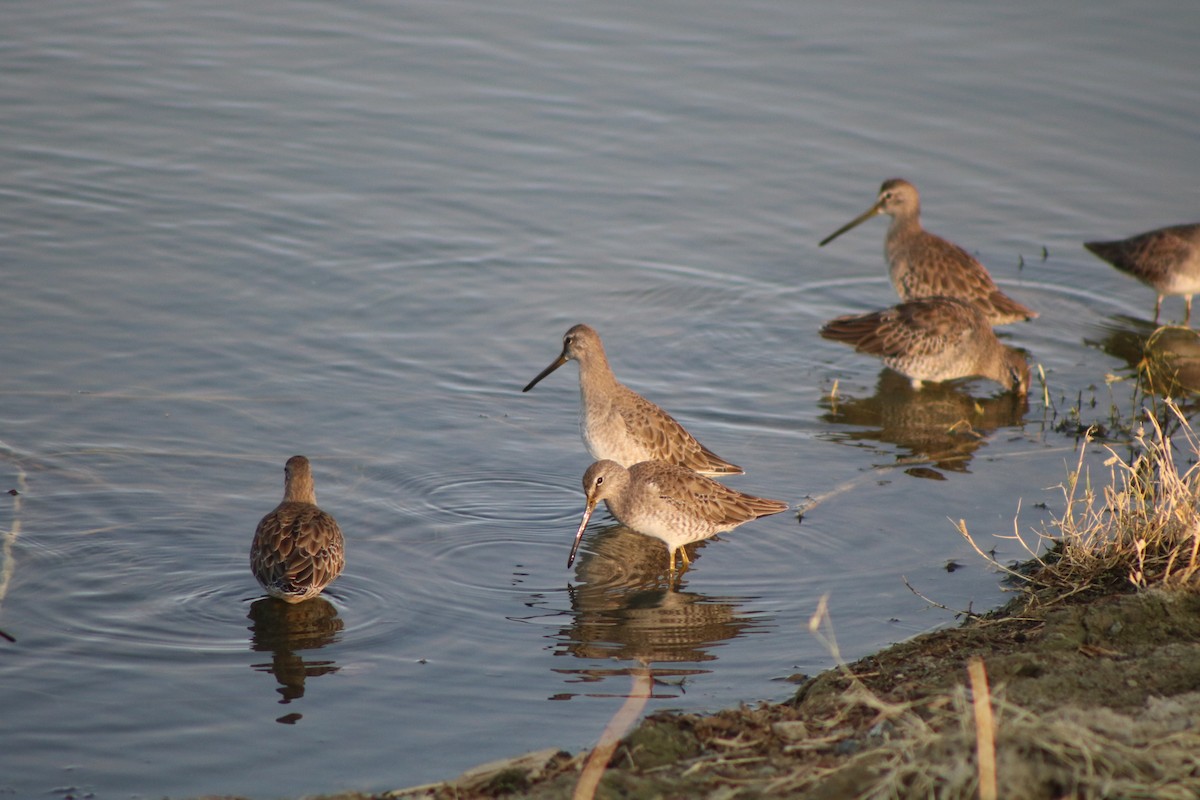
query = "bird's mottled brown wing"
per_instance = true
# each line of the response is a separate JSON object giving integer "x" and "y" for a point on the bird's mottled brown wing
{"x": 913, "y": 329}
{"x": 717, "y": 504}
{"x": 1151, "y": 256}
{"x": 297, "y": 550}
{"x": 942, "y": 268}
{"x": 668, "y": 440}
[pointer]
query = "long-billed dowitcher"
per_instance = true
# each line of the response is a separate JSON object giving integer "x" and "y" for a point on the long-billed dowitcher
{"x": 619, "y": 424}
{"x": 921, "y": 264}
{"x": 668, "y": 502}
{"x": 933, "y": 339}
{"x": 1165, "y": 259}
{"x": 297, "y": 548}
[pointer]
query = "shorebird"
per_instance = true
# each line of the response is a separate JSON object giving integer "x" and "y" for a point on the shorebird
{"x": 668, "y": 502}
{"x": 297, "y": 548}
{"x": 921, "y": 264}
{"x": 933, "y": 339}
{"x": 619, "y": 424}
{"x": 1165, "y": 259}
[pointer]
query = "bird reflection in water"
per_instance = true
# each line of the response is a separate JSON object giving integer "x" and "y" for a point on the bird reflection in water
{"x": 623, "y": 610}
{"x": 940, "y": 426}
{"x": 1165, "y": 360}
{"x": 285, "y": 629}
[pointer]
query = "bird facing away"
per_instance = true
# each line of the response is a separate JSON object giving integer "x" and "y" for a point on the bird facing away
{"x": 619, "y": 424}
{"x": 933, "y": 339}
{"x": 297, "y": 549}
{"x": 1165, "y": 259}
{"x": 921, "y": 264}
{"x": 668, "y": 502}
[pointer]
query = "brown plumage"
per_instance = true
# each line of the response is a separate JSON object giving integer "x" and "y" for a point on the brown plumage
{"x": 933, "y": 339}
{"x": 669, "y": 502}
{"x": 619, "y": 424}
{"x": 1165, "y": 259}
{"x": 921, "y": 264}
{"x": 298, "y": 548}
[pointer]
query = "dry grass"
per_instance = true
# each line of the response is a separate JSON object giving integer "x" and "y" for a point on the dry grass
{"x": 1139, "y": 528}
{"x": 1079, "y": 753}
{"x": 971, "y": 742}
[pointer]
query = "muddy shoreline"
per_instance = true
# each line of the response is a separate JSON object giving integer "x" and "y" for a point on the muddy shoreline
{"x": 1096, "y": 695}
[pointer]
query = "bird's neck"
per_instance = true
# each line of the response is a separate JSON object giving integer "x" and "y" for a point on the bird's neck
{"x": 595, "y": 376}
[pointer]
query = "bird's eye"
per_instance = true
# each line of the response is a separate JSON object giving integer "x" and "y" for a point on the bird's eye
{"x": 599, "y": 480}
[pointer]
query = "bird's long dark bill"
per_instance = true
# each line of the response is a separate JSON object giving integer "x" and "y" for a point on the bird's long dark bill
{"x": 558, "y": 362}
{"x": 587, "y": 515}
{"x": 860, "y": 219}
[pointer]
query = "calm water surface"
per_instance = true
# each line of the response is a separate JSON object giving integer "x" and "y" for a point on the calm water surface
{"x": 233, "y": 233}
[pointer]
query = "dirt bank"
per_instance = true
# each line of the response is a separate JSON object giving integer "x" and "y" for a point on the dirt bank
{"x": 1093, "y": 697}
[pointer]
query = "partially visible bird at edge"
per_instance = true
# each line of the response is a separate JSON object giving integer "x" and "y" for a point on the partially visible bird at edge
{"x": 1165, "y": 259}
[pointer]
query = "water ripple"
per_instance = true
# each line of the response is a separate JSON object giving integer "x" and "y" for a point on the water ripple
{"x": 485, "y": 496}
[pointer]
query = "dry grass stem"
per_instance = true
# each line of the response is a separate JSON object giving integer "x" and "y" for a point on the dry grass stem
{"x": 1143, "y": 526}
{"x": 985, "y": 729}
{"x": 1139, "y": 527}
{"x": 967, "y": 613}
{"x": 618, "y": 726}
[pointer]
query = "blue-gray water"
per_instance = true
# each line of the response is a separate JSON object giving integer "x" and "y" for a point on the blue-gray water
{"x": 231, "y": 232}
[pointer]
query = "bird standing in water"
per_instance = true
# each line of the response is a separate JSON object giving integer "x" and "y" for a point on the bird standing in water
{"x": 669, "y": 502}
{"x": 921, "y": 264}
{"x": 1165, "y": 259}
{"x": 933, "y": 339}
{"x": 298, "y": 548}
{"x": 619, "y": 424}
